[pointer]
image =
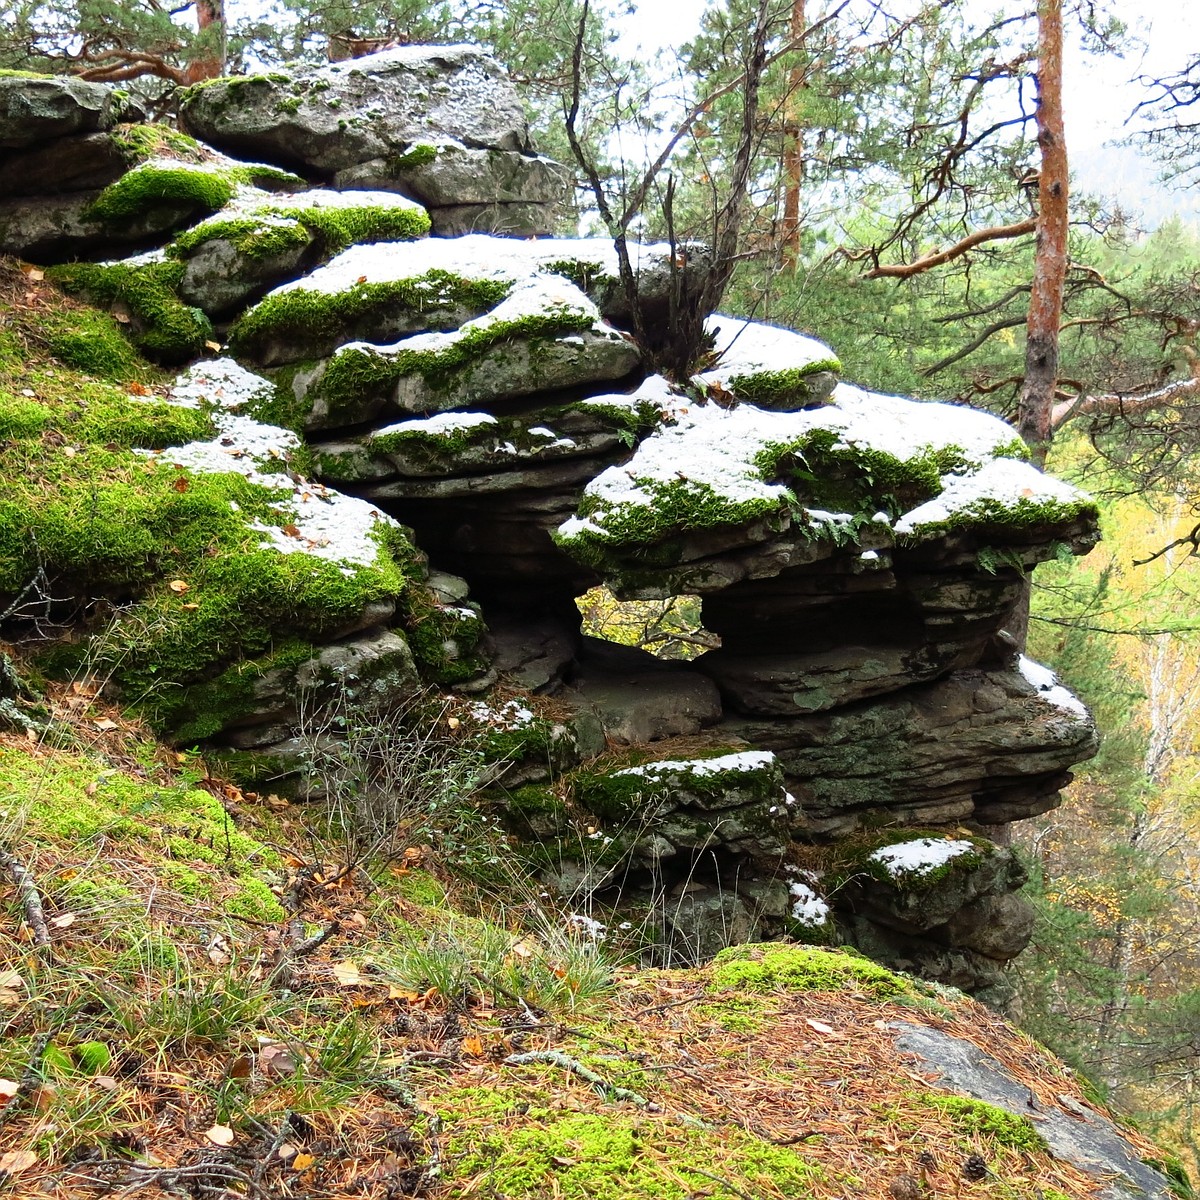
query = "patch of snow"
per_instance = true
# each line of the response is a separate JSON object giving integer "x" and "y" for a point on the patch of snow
{"x": 920, "y": 856}
{"x": 588, "y": 926}
{"x": 1048, "y": 688}
{"x": 439, "y": 425}
{"x": 718, "y": 448}
{"x": 652, "y": 390}
{"x": 869, "y": 556}
{"x": 475, "y": 256}
{"x": 807, "y": 907}
{"x": 1005, "y": 481}
{"x": 221, "y": 382}
{"x": 752, "y": 348}
{"x": 512, "y": 714}
{"x": 541, "y": 295}
{"x": 743, "y": 760}
{"x": 323, "y": 523}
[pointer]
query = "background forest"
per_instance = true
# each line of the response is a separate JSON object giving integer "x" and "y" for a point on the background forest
{"x": 871, "y": 175}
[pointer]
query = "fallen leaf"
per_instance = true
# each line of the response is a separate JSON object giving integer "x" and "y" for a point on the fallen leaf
{"x": 347, "y": 973}
{"x": 818, "y": 1026}
{"x": 189, "y": 607}
{"x": 215, "y": 347}
{"x": 277, "y": 1060}
{"x": 473, "y": 1045}
{"x": 17, "y": 1160}
{"x": 218, "y": 951}
{"x": 34, "y": 274}
{"x": 302, "y": 1162}
{"x": 9, "y": 1088}
{"x": 70, "y": 451}
{"x": 106, "y": 1083}
{"x": 42, "y": 1097}
{"x": 292, "y": 530}
{"x": 106, "y": 725}
{"x": 181, "y": 485}
{"x": 241, "y": 1067}
{"x": 63, "y": 920}
{"x": 138, "y": 389}
{"x": 287, "y": 1151}
{"x": 220, "y": 1135}
{"x": 564, "y": 1162}
{"x": 179, "y": 586}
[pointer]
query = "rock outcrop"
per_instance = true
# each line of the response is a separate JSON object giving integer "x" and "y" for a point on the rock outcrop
{"x": 440, "y": 434}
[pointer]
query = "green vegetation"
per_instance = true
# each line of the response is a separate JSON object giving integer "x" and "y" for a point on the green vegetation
{"x": 772, "y": 966}
{"x": 191, "y": 187}
{"x": 585, "y": 1156}
{"x": 974, "y": 1117}
{"x": 319, "y": 319}
{"x": 161, "y": 326}
{"x": 780, "y": 389}
{"x": 274, "y": 227}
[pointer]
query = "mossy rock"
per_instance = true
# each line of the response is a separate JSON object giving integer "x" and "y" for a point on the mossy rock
{"x": 772, "y": 966}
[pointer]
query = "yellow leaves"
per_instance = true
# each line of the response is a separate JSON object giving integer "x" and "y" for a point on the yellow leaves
{"x": 220, "y": 1135}
{"x": 179, "y": 586}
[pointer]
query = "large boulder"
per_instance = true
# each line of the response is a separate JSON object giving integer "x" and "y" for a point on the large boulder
{"x": 364, "y": 109}
{"x": 37, "y": 108}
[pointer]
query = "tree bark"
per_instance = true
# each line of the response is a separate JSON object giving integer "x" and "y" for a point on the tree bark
{"x": 793, "y": 150}
{"x": 210, "y": 15}
{"x": 1050, "y": 260}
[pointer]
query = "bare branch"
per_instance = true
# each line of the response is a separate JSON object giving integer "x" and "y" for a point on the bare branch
{"x": 950, "y": 253}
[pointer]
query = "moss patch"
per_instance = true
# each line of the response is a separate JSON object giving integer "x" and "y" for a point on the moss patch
{"x": 974, "y": 1117}
{"x": 160, "y": 324}
{"x": 587, "y": 1156}
{"x": 327, "y": 318}
{"x": 769, "y": 967}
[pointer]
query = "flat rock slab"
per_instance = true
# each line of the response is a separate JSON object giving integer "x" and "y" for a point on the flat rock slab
{"x": 34, "y": 109}
{"x": 368, "y": 108}
{"x": 1076, "y": 1134}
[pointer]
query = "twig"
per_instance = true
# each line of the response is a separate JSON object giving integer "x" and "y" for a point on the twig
{"x": 30, "y": 1077}
{"x": 531, "y": 1017}
{"x": 276, "y": 1143}
{"x": 671, "y": 1004}
{"x": 31, "y": 900}
{"x": 170, "y": 1178}
{"x": 556, "y": 1058}
{"x": 691, "y": 1170}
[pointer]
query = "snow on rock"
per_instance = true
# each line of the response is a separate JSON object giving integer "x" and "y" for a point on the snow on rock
{"x": 1048, "y": 688}
{"x": 745, "y": 348}
{"x": 439, "y": 425}
{"x": 732, "y": 451}
{"x": 512, "y": 714}
{"x": 476, "y": 256}
{"x": 314, "y": 519}
{"x": 743, "y": 760}
{"x": 921, "y": 856}
{"x": 1002, "y": 487}
{"x": 807, "y": 907}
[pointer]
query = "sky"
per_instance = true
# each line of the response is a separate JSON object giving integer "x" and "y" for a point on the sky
{"x": 1100, "y": 92}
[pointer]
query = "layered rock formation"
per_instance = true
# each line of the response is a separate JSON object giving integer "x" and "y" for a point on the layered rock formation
{"x": 840, "y": 768}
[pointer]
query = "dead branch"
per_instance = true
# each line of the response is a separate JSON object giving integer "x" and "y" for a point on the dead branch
{"x": 31, "y": 900}
{"x": 980, "y": 237}
{"x": 557, "y": 1058}
{"x": 974, "y": 344}
{"x": 1116, "y": 404}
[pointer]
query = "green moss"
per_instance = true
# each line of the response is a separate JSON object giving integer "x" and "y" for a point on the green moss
{"x": 1178, "y": 1179}
{"x": 670, "y": 510}
{"x": 255, "y": 901}
{"x": 419, "y": 155}
{"x": 190, "y": 187}
{"x": 358, "y": 373}
{"x": 974, "y": 1117}
{"x": 419, "y": 887}
{"x": 444, "y": 640}
{"x": 773, "y": 966}
{"x": 780, "y": 389}
{"x": 273, "y": 229}
{"x": 161, "y": 325}
{"x": 183, "y": 835}
{"x": 92, "y": 1058}
{"x": 614, "y": 795}
{"x": 327, "y": 318}
{"x": 92, "y": 342}
{"x": 140, "y": 142}
{"x": 586, "y": 1156}
{"x": 206, "y": 708}
{"x": 854, "y": 857}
